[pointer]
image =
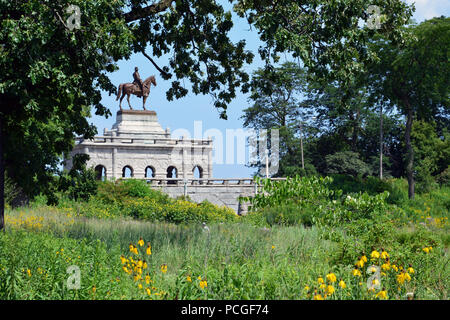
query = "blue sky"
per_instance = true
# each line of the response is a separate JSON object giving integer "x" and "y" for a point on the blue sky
{"x": 181, "y": 113}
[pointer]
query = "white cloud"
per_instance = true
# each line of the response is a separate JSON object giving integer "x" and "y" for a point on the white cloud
{"x": 427, "y": 9}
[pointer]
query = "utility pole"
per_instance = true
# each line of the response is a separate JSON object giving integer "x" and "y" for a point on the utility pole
{"x": 381, "y": 141}
{"x": 301, "y": 145}
{"x": 267, "y": 163}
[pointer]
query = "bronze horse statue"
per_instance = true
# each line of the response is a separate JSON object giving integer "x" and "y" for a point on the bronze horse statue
{"x": 131, "y": 88}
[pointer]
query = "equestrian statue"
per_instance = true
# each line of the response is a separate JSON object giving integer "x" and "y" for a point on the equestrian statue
{"x": 137, "y": 87}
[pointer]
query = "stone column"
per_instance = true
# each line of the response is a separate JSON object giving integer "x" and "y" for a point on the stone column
{"x": 114, "y": 157}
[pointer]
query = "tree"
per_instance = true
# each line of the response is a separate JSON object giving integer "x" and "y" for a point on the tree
{"x": 330, "y": 37}
{"x": 413, "y": 76}
{"x": 347, "y": 162}
{"x": 275, "y": 97}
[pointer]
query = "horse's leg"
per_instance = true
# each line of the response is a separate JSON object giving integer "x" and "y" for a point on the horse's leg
{"x": 143, "y": 101}
{"x": 128, "y": 99}
{"x": 120, "y": 103}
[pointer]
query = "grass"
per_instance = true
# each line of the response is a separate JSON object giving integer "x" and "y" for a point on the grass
{"x": 234, "y": 249}
{"x": 234, "y": 260}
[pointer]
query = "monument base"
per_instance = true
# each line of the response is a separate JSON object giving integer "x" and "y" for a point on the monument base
{"x": 142, "y": 123}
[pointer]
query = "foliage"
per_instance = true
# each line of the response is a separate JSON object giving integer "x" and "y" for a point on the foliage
{"x": 79, "y": 182}
{"x": 402, "y": 77}
{"x": 432, "y": 153}
{"x": 346, "y": 162}
{"x": 331, "y": 45}
{"x": 134, "y": 198}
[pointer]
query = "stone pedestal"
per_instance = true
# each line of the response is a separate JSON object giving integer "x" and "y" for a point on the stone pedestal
{"x": 140, "y": 123}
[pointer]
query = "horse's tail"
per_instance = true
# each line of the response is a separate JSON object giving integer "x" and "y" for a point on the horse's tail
{"x": 120, "y": 91}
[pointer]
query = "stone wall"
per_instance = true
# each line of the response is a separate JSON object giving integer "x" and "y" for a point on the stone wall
{"x": 222, "y": 192}
{"x": 220, "y": 195}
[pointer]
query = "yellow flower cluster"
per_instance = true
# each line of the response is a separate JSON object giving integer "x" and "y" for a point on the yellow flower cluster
{"x": 427, "y": 249}
{"x": 33, "y": 223}
{"x": 435, "y": 222}
{"x": 324, "y": 288}
{"x": 202, "y": 283}
{"x": 137, "y": 267}
{"x": 380, "y": 262}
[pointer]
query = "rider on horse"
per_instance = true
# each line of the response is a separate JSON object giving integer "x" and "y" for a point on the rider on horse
{"x": 137, "y": 80}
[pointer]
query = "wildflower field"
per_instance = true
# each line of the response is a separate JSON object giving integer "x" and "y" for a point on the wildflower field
{"x": 303, "y": 239}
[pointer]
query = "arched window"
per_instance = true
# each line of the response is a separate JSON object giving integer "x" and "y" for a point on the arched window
{"x": 197, "y": 172}
{"x": 100, "y": 172}
{"x": 127, "y": 172}
{"x": 172, "y": 173}
{"x": 149, "y": 172}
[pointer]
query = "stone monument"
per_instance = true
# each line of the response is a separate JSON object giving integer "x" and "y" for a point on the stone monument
{"x": 137, "y": 146}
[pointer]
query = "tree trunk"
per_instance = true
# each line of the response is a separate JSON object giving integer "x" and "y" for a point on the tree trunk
{"x": 409, "y": 151}
{"x": 2, "y": 179}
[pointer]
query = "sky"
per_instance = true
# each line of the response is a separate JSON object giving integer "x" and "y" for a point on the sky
{"x": 181, "y": 115}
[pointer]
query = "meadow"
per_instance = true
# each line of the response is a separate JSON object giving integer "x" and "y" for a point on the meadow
{"x": 304, "y": 239}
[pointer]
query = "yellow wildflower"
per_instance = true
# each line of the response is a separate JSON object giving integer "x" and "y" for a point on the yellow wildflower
{"x": 375, "y": 254}
{"x": 140, "y": 242}
{"x": 322, "y": 286}
{"x": 360, "y": 263}
{"x": 29, "y": 272}
{"x": 306, "y": 288}
{"x": 188, "y": 278}
{"x": 401, "y": 278}
{"x": 331, "y": 277}
{"x": 203, "y": 284}
{"x": 382, "y": 294}
{"x": 385, "y": 266}
{"x": 318, "y": 297}
{"x": 364, "y": 258}
{"x": 384, "y": 255}
{"x": 407, "y": 276}
{"x": 356, "y": 272}
{"x": 148, "y": 291}
{"x": 342, "y": 284}
{"x": 426, "y": 249}
{"x": 410, "y": 270}
{"x": 320, "y": 280}
{"x": 164, "y": 268}
{"x": 148, "y": 251}
{"x": 330, "y": 289}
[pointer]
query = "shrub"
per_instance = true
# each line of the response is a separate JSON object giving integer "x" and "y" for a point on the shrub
{"x": 347, "y": 162}
{"x": 79, "y": 182}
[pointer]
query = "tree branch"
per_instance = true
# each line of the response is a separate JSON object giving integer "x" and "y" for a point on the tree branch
{"x": 154, "y": 63}
{"x": 139, "y": 13}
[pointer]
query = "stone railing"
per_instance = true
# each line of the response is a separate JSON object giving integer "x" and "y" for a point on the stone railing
{"x": 202, "y": 181}
{"x": 143, "y": 140}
